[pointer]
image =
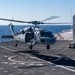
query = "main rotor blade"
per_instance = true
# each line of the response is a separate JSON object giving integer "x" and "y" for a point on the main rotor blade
{"x": 14, "y": 20}
{"x": 34, "y": 22}
{"x": 50, "y": 18}
{"x": 59, "y": 23}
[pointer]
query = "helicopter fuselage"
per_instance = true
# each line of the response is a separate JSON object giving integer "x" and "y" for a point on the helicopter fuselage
{"x": 33, "y": 34}
{"x": 39, "y": 36}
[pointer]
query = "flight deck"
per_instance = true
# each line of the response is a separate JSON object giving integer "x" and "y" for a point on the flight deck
{"x": 58, "y": 60}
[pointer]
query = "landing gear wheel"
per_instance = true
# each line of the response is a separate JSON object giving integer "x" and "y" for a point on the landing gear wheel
{"x": 30, "y": 47}
{"x": 48, "y": 47}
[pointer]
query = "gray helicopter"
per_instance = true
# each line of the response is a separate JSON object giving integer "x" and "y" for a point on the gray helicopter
{"x": 34, "y": 34}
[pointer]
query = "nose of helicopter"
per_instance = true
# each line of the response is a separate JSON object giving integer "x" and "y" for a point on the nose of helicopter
{"x": 48, "y": 40}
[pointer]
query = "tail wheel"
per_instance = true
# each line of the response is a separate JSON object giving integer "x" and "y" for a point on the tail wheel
{"x": 30, "y": 47}
{"x": 48, "y": 47}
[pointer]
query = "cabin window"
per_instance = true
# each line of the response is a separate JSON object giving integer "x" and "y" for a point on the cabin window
{"x": 46, "y": 34}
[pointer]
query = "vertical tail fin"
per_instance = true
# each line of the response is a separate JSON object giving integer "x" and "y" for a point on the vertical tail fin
{"x": 11, "y": 29}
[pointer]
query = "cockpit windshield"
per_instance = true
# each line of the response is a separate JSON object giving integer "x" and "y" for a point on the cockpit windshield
{"x": 46, "y": 34}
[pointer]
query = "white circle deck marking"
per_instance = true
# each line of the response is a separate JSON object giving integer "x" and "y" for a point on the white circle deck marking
{"x": 10, "y": 58}
{"x": 35, "y": 58}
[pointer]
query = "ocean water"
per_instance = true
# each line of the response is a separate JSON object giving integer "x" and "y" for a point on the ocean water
{"x": 5, "y": 30}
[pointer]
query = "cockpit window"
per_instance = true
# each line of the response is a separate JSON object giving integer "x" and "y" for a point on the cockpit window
{"x": 46, "y": 34}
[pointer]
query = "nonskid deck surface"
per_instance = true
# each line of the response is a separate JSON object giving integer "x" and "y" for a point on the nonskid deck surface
{"x": 59, "y": 60}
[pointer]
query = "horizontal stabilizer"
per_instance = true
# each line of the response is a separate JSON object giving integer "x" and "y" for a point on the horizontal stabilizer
{"x": 7, "y": 37}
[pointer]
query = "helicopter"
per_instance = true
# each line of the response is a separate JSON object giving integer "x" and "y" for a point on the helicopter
{"x": 34, "y": 34}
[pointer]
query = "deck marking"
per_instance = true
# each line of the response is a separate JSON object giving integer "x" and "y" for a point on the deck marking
{"x": 10, "y": 58}
{"x": 7, "y": 48}
{"x": 64, "y": 67}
